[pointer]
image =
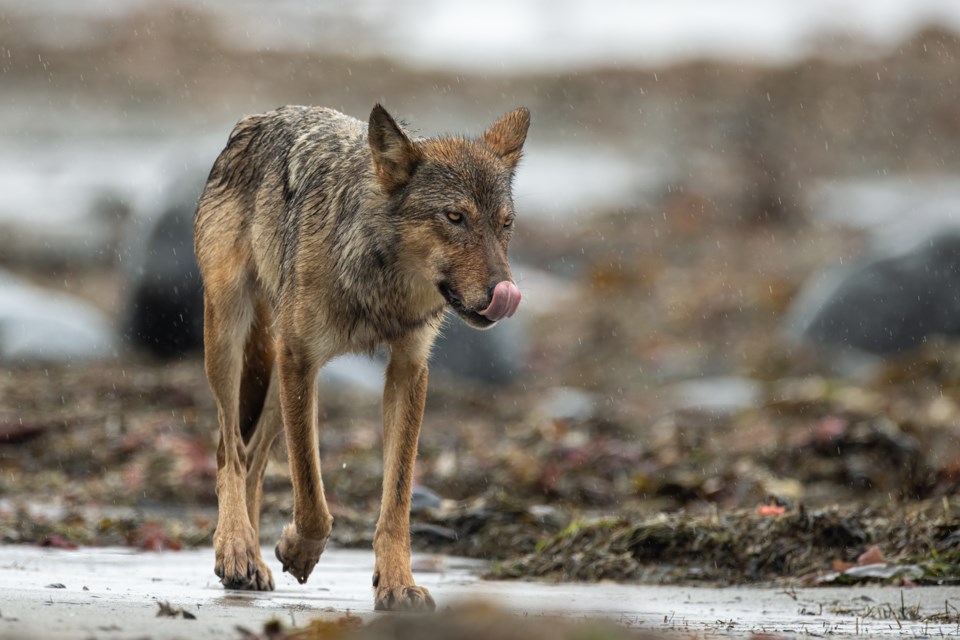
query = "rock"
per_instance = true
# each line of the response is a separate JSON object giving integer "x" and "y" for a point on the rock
{"x": 40, "y": 325}
{"x": 163, "y": 300}
{"x": 423, "y": 499}
{"x": 495, "y": 356}
{"x": 720, "y": 395}
{"x": 882, "y": 572}
{"x": 354, "y": 373}
{"x": 164, "y": 309}
{"x": 887, "y": 303}
{"x": 432, "y": 534}
{"x": 569, "y": 404}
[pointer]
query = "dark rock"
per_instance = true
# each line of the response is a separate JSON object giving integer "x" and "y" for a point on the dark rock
{"x": 163, "y": 303}
{"x": 495, "y": 356}
{"x": 886, "y": 304}
{"x": 424, "y": 499}
{"x": 432, "y": 533}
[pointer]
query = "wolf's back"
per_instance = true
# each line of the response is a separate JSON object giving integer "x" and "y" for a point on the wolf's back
{"x": 286, "y": 182}
{"x": 291, "y": 138}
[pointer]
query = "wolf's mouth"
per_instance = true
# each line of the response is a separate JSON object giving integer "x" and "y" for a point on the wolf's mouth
{"x": 472, "y": 317}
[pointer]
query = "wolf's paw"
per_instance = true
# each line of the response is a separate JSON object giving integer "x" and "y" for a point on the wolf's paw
{"x": 297, "y": 554}
{"x": 263, "y": 578}
{"x": 403, "y": 598}
{"x": 238, "y": 562}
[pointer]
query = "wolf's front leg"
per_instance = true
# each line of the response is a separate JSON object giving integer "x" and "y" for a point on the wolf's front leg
{"x": 303, "y": 540}
{"x": 403, "y": 399}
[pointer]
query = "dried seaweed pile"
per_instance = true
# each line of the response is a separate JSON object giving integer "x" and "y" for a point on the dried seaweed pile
{"x": 745, "y": 546}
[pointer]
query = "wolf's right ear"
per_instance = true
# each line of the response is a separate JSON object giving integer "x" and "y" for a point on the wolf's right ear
{"x": 508, "y": 134}
{"x": 394, "y": 156}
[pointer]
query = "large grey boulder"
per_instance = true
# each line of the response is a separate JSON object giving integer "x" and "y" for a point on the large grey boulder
{"x": 496, "y": 356}
{"x": 37, "y": 325}
{"x": 885, "y": 304}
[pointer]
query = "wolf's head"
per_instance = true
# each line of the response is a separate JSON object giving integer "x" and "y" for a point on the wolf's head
{"x": 452, "y": 198}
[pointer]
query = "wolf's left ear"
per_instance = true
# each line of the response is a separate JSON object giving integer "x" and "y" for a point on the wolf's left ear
{"x": 508, "y": 134}
{"x": 395, "y": 157}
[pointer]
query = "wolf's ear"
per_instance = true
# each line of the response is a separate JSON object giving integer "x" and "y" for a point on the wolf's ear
{"x": 394, "y": 156}
{"x": 508, "y": 134}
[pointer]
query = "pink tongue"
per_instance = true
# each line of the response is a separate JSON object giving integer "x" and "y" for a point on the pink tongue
{"x": 506, "y": 299}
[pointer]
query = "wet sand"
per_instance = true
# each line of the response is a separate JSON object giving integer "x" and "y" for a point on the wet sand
{"x": 114, "y": 593}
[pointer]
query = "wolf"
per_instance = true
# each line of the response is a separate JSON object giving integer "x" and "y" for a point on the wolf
{"x": 317, "y": 235}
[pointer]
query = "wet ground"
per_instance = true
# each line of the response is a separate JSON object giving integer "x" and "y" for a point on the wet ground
{"x": 116, "y": 593}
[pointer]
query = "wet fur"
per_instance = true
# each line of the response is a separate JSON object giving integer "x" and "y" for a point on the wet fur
{"x": 318, "y": 235}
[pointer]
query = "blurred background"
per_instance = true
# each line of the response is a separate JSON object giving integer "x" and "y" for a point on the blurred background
{"x": 738, "y": 243}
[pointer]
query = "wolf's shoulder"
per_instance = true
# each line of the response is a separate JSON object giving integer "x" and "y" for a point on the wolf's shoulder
{"x": 298, "y": 120}
{"x": 306, "y": 119}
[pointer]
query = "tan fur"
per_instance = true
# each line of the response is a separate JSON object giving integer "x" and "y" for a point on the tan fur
{"x": 317, "y": 236}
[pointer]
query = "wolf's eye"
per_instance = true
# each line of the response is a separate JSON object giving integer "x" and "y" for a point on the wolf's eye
{"x": 508, "y": 223}
{"x": 455, "y": 217}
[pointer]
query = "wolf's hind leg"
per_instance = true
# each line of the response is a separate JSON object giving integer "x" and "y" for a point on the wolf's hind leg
{"x": 227, "y": 315}
{"x": 258, "y": 451}
{"x": 260, "y": 423}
